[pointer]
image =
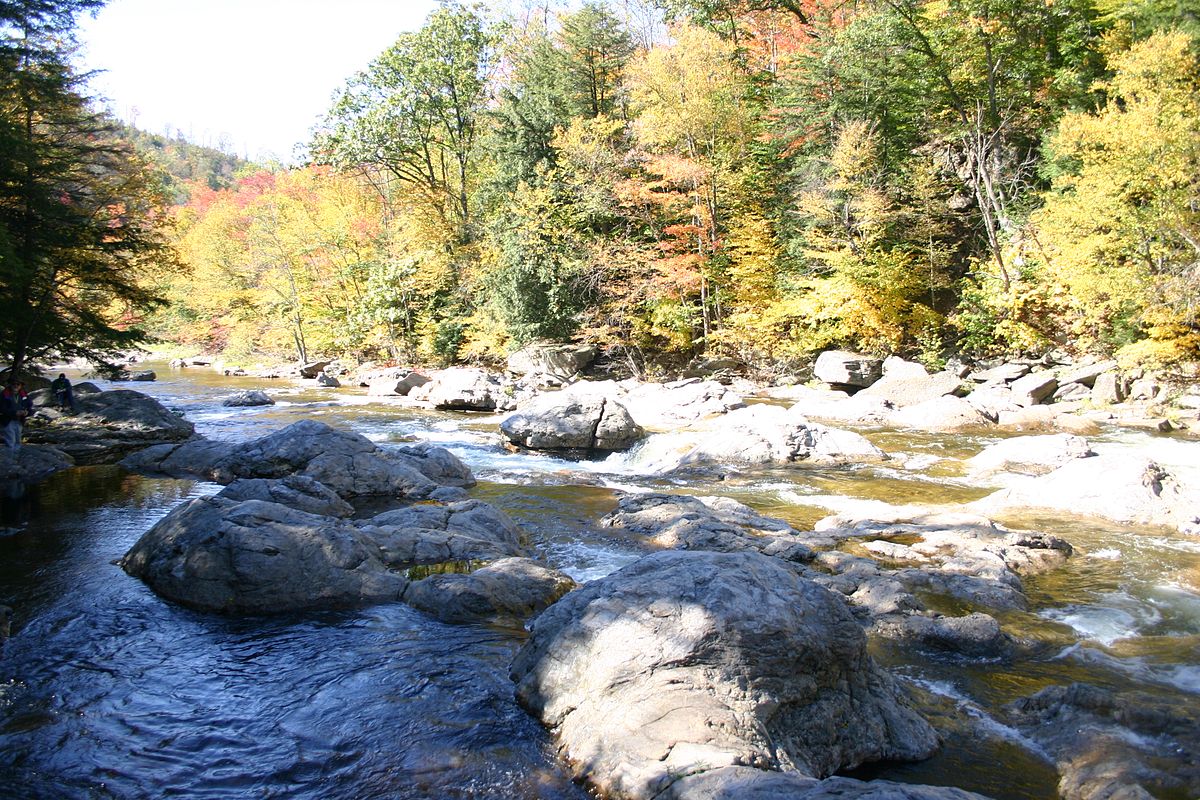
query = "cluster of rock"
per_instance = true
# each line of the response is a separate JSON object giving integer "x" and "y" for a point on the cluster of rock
{"x": 734, "y": 664}
{"x": 1019, "y": 394}
{"x": 279, "y": 536}
{"x": 659, "y": 720}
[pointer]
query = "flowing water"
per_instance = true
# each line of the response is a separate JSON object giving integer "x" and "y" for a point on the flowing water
{"x": 108, "y": 691}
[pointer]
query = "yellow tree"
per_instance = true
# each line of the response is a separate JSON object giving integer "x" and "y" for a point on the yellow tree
{"x": 1118, "y": 240}
{"x": 694, "y": 124}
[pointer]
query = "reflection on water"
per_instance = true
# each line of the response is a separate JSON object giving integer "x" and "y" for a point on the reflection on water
{"x": 108, "y": 691}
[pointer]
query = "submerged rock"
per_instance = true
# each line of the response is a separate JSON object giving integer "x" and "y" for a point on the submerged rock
{"x": 686, "y": 662}
{"x": 1108, "y": 746}
{"x": 747, "y": 783}
{"x": 32, "y": 463}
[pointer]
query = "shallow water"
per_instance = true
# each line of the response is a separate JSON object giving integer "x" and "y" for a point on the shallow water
{"x": 108, "y": 691}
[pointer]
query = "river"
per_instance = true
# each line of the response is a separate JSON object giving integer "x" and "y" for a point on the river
{"x": 107, "y": 691}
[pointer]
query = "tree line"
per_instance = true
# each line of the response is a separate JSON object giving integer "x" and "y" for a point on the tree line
{"x": 770, "y": 179}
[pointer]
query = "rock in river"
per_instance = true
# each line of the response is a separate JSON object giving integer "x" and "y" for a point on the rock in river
{"x": 511, "y": 587}
{"x": 108, "y": 426}
{"x": 560, "y": 421}
{"x": 686, "y": 662}
{"x": 254, "y": 556}
{"x": 217, "y": 554}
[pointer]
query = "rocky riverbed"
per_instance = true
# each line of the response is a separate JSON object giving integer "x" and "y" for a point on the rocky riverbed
{"x": 771, "y": 590}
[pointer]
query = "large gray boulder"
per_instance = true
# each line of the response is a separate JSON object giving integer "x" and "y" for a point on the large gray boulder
{"x": 687, "y": 662}
{"x": 463, "y": 389}
{"x": 197, "y": 457}
{"x": 941, "y": 414}
{"x": 298, "y": 492}
{"x": 679, "y": 403}
{"x": 251, "y": 556}
{"x": 248, "y": 399}
{"x": 840, "y": 368}
{"x": 559, "y": 361}
{"x": 461, "y": 530}
{"x": 346, "y": 462}
{"x": 231, "y": 554}
{"x": 511, "y": 588}
{"x": 560, "y": 421}
{"x": 32, "y": 463}
{"x": 107, "y": 426}
{"x": 391, "y": 381}
{"x": 1033, "y": 388}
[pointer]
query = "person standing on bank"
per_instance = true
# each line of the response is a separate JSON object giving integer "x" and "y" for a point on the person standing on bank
{"x": 14, "y": 408}
{"x": 64, "y": 395}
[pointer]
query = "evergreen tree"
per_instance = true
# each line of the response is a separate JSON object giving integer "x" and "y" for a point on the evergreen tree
{"x": 77, "y": 209}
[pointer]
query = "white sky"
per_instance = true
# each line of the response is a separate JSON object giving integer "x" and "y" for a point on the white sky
{"x": 255, "y": 74}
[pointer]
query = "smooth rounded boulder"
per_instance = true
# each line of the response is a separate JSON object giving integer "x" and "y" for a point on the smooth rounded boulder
{"x": 256, "y": 557}
{"x": 348, "y": 463}
{"x": 686, "y": 662}
{"x": 561, "y": 421}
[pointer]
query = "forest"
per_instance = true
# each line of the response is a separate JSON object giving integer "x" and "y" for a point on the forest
{"x": 755, "y": 180}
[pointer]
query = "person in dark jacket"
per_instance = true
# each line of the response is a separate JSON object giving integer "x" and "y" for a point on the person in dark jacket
{"x": 15, "y": 407}
{"x": 64, "y": 395}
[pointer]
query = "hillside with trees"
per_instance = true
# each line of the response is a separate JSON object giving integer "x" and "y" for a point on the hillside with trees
{"x": 767, "y": 180}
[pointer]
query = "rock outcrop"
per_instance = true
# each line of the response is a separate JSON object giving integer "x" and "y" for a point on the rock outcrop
{"x": 758, "y": 435}
{"x": 107, "y": 426}
{"x": 684, "y": 663}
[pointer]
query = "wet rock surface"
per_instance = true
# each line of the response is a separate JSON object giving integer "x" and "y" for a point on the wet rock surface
{"x": 1109, "y": 746}
{"x": 687, "y": 662}
{"x": 248, "y": 399}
